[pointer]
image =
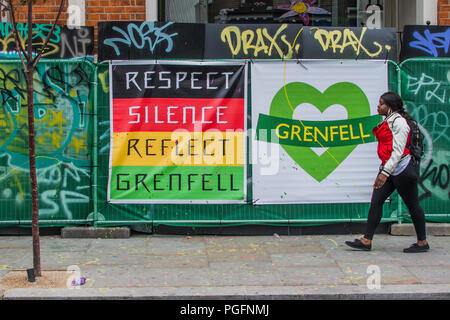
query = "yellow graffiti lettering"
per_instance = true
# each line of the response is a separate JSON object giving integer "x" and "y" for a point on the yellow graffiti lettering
{"x": 319, "y": 35}
{"x": 57, "y": 119}
{"x": 252, "y": 42}
{"x": 50, "y": 51}
{"x": 226, "y": 37}
{"x": 260, "y": 45}
{"x": 55, "y": 139}
{"x": 339, "y": 40}
{"x": 78, "y": 144}
{"x": 335, "y": 37}
{"x": 104, "y": 80}
{"x": 5, "y": 42}
{"x": 247, "y": 38}
{"x": 274, "y": 43}
{"x": 37, "y": 34}
{"x": 290, "y": 51}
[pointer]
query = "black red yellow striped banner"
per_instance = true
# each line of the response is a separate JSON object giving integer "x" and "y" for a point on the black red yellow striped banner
{"x": 177, "y": 133}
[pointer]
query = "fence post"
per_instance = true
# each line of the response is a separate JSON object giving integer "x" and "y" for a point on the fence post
{"x": 95, "y": 148}
{"x": 399, "y": 90}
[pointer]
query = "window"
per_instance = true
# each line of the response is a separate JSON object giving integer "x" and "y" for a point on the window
{"x": 352, "y": 13}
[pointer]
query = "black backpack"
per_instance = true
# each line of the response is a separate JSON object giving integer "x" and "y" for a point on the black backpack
{"x": 415, "y": 141}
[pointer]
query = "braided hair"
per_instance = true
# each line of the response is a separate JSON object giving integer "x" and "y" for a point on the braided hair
{"x": 416, "y": 145}
{"x": 395, "y": 103}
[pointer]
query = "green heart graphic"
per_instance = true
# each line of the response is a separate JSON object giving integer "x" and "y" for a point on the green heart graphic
{"x": 347, "y": 94}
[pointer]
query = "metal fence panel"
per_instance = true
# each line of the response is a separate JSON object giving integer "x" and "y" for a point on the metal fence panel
{"x": 63, "y": 130}
{"x": 215, "y": 214}
{"x": 73, "y": 136}
{"x": 425, "y": 87}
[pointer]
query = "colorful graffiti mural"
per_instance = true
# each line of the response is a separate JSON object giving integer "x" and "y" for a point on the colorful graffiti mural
{"x": 158, "y": 40}
{"x": 63, "y": 107}
{"x": 425, "y": 87}
{"x": 65, "y": 42}
{"x": 72, "y": 110}
{"x": 425, "y": 41}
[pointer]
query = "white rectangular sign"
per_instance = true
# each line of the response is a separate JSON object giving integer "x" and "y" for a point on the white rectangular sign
{"x": 312, "y": 130}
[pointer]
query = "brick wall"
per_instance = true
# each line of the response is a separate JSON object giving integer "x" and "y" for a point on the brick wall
{"x": 96, "y": 11}
{"x": 444, "y": 12}
{"x": 113, "y": 10}
{"x": 43, "y": 12}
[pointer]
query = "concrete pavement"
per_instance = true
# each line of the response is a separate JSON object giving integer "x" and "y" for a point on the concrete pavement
{"x": 235, "y": 267}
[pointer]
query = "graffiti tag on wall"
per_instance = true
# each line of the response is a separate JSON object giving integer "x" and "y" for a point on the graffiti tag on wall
{"x": 157, "y": 40}
{"x": 254, "y": 42}
{"x": 352, "y": 43}
{"x": 425, "y": 91}
{"x": 150, "y": 40}
{"x": 425, "y": 41}
{"x": 64, "y": 43}
{"x": 63, "y": 107}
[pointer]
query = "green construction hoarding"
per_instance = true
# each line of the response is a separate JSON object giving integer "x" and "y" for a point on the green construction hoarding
{"x": 282, "y": 140}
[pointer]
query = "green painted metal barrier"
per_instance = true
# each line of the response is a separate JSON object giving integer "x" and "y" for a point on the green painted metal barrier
{"x": 424, "y": 84}
{"x": 73, "y": 141}
{"x": 64, "y": 108}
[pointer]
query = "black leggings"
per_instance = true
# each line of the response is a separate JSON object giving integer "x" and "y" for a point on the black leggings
{"x": 406, "y": 185}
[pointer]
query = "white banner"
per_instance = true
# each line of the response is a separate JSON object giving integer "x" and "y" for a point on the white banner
{"x": 319, "y": 116}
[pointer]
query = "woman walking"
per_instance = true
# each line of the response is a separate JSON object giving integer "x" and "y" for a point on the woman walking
{"x": 398, "y": 171}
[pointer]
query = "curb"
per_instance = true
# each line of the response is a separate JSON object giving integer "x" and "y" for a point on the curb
{"x": 345, "y": 292}
{"x": 432, "y": 229}
{"x": 94, "y": 233}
